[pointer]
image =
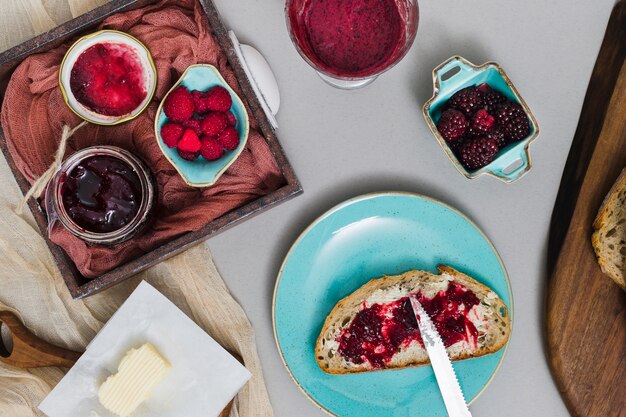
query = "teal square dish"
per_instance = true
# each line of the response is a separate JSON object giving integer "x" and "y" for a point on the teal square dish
{"x": 513, "y": 161}
{"x": 203, "y": 173}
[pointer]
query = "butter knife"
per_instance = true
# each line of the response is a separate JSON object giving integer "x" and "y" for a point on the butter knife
{"x": 444, "y": 373}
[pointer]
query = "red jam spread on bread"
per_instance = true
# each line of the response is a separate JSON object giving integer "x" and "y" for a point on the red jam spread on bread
{"x": 379, "y": 331}
{"x": 102, "y": 194}
{"x": 108, "y": 78}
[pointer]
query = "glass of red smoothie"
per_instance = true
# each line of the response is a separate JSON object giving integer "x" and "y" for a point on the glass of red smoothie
{"x": 351, "y": 42}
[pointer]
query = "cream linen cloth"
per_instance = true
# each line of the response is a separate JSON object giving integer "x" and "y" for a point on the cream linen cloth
{"x": 31, "y": 286}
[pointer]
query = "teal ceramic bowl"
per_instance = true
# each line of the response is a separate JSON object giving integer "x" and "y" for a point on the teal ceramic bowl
{"x": 368, "y": 237}
{"x": 203, "y": 173}
{"x": 457, "y": 73}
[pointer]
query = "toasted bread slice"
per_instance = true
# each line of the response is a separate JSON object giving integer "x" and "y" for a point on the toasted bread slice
{"x": 609, "y": 238}
{"x": 490, "y": 317}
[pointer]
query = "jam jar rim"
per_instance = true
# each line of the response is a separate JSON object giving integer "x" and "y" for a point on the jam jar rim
{"x": 128, "y": 230}
{"x": 92, "y": 116}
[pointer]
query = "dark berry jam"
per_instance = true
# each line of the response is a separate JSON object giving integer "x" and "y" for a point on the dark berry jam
{"x": 102, "y": 194}
{"x": 108, "y": 78}
{"x": 452, "y": 323}
{"x": 378, "y": 332}
{"x": 349, "y": 37}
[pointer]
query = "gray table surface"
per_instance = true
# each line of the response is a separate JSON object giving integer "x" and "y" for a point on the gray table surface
{"x": 343, "y": 144}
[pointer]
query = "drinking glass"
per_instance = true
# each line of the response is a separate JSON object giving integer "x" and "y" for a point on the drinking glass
{"x": 335, "y": 37}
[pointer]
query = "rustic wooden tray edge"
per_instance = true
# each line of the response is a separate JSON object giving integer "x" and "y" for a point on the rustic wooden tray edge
{"x": 12, "y": 57}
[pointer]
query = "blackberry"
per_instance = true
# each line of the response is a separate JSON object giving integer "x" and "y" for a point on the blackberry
{"x": 517, "y": 129}
{"x": 457, "y": 144}
{"x": 472, "y": 133}
{"x": 478, "y": 152}
{"x": 467, "y": 100}
{"x": 491, "y": 98}
{"x": 452, "y": 125}
{"x": 497, "y": 134}
{"x": 513, "y": 121}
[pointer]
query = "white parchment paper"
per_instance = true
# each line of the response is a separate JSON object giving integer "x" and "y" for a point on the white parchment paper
{"x": 203, "y": 379}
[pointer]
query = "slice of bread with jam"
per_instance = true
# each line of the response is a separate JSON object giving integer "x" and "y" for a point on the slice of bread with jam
{"x": 374, "y": 328}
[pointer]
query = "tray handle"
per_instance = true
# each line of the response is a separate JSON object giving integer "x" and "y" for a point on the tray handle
{"x": 465, "y": 71}
{"x": 500, "y": 169}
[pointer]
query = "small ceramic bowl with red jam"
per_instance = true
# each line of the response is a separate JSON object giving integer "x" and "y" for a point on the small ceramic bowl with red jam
{"x": 107, "y": 77}
{"x": 101, "y": 194}
{"x": 201, "y": 125}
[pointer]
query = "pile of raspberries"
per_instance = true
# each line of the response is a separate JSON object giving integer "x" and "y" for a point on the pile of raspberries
{"x": 478, "y": 121}
{"x": 200, "y": 123}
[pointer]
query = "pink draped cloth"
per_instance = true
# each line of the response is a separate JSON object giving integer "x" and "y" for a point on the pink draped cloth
{"x": 33, "y": 113}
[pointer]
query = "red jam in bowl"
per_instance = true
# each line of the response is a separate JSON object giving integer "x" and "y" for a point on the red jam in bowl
{"x": 109, "y": 79}
{"x": 101, "y": 194}
{"x": 378, "y": 332}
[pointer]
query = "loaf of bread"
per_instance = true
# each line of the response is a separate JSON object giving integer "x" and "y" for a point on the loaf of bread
{"x": 373, "y": 328}
{"x": 609, "y": 237}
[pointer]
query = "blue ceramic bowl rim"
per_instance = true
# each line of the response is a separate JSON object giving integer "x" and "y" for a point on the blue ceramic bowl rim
{"x": 233, "y": 157}
{"x": 486, "y": 169}
{"x": 363, "y": 197}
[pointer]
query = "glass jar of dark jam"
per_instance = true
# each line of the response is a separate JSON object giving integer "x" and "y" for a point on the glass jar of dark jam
{"x": 102, "y": 194}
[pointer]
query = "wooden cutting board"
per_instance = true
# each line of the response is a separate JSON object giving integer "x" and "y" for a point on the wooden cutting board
{"x": 585, "y": 310}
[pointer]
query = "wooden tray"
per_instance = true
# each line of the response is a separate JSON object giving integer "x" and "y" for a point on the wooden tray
{"x": 585, "y": 310}
{"x": 78, "y": 285}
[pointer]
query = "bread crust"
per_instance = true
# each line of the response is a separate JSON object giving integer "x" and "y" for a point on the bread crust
{"x": 411, "y": 280}
{"x": 600, "y": 223}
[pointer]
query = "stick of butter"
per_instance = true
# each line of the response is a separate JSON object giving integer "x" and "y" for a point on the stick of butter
{"x": 139, "y": 372}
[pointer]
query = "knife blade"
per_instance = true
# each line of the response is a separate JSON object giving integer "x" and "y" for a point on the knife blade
{"x": 440, "y": 361}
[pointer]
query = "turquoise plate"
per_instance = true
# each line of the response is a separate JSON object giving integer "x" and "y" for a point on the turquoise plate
{"x": 203, "y": 173}
{"x": 363, "y": 238}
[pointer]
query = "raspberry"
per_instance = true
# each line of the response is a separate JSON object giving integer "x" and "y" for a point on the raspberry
{"x": 452, "y": 125}
{"x": 211, "y": 149}
{"x": 467, "y": 100}
{"x": 229, "y": 138}
{"x": 178, "y": 105}
{"x": 190, "y": 156}
{"x": 482, "y": 121}
{"x": 218, "y": 99}
{"x": 193, "y": 124}
{"x": 199, "y": 102}
{"x": 478, "y": 152}
{"x": 171, "y": 134}
{"x": 214, "y": 123}
{"x": 189, "y": 142}
{"x": 513, "y": 121}
{"x": 232, "y": 120}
